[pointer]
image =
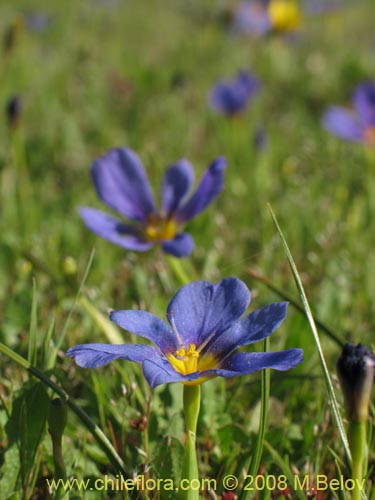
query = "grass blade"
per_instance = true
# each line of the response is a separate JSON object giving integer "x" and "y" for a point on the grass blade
{"x": 265, "y": 394}
{"x": 314, "y": 330}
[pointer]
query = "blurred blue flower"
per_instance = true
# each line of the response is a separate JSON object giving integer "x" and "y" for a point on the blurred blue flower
{"x": 205, "y": 328}
{"x": 260, "y": 17}
{"x": 356, "y": 124}
{"x": 232, "y": 96}
{"x": 122, "y": 184}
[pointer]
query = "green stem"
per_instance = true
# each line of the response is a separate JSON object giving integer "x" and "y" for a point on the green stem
{"x": 357, "y": 443}
{"x": 265, "y": 390}
{"x": 178, "y": 270}
{"x": 190, "y": 475}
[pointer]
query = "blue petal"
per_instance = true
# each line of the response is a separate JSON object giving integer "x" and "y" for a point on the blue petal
{"x": 113, "y": 230}
{"x": 342, "y": 123}
{"x": 159, "y": 371}
{"x": 364, "y": 103}
{"x": 209, "y": 188}
{"x": 256, "y": 326}
{"x": 95, "y": 355}
{"x": 181, "y": 246}
{"x": 201, "y": 309}
{"x": 147, "y": 325}
{"x": 176, "y": 184}
{"x": 122, "y": 184}
{"x": 244, "y": 363}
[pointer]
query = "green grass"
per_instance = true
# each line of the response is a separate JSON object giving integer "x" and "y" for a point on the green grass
{"x": 137, "y": 73}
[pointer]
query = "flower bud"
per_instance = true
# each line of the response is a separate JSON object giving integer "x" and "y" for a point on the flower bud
{"x": 13, "y": 111}
{"x": 355, "y": 368}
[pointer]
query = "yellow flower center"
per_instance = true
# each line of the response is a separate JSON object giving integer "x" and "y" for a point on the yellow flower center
{"x": 370, "y": 135}
{"x": 186, "y": 361}
{"x": 159, "y": 228}
{"x": 285, "y": 15}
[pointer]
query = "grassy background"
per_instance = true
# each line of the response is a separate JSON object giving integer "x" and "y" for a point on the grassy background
{"x": 137, "y": 73}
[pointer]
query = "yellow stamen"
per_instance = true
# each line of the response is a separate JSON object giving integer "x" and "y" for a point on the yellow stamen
{"x": 285, "y": 15}
{"x": 159, "y": 228}
{"x": 370, "y": 135}
{"x": 188, "y": 360}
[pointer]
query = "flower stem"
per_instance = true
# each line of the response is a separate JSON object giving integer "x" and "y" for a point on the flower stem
{"x": 357, "y": 443}
{"x": 189, "y": 476}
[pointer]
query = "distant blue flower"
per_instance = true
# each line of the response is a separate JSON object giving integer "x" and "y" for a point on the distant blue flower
{"x": 356, "y": 124}
{"x": 260, "y": 17}
{"x": 232, "y": 96}
{"x": 205, "y": 329}
{"x": 122, "y": 184}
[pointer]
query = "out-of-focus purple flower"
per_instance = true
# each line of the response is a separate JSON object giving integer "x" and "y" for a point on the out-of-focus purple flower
{"x": 205, "y": 328}
{"x": 251, "y": 18}
{"x": 315, "y": 7}
{"x": 232, "y": 96}
{"x": 356, "y": 124}
{"x": 37, "y": 21}
{"x": 122, "y": 184}
{"x": 259, "y": 17}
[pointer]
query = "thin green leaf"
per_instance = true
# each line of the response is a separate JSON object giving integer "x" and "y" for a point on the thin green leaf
{"x": 310, "y": 318}
{"x": 265, "y": 394}
{"x": 32, "y": 344}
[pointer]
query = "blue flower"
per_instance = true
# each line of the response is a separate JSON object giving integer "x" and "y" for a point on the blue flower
{"x": 205, "y": 328}
{"x": 356, "y": 124}
{"x": 122, "y": 184}
{"x": 232, "y": 96}
{"x": 260, "y": 17}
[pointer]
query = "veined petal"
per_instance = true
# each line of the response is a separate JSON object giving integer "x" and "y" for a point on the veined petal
{"x": 201, "y": 309}
{"x": 95, "y": 355}
{"x": 122, "y": 184}
{"x": 255, "y": 326}
{"x": 148, "y": 326}
{"x": 181, "y": 246}
{"x": 244, "y": 363}
{"x": 209, "y": 188}
{"x": 113, "y": 230}
{"x": 176, "y": 184}
{"x": 343, "y": 123}
{"x": 364, "y": 103}
{"x": 159, "y": 371}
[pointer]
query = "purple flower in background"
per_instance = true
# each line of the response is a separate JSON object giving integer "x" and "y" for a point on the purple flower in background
{"x": 260, "y": 17}
{"x": 232, "y": 96}
{"x": 251, "y": 18}
{"x": 356, "y": 124}
{"x": 205, "y": 328}
{"x": 122, "y": 184}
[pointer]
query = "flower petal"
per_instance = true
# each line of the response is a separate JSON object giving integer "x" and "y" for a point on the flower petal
{"x": 113, "y": 230}
{"x": 95, "y": 355}
{"x": 342, "y": 123}
{"x": 251, "y": 18}
{"x": 181, "y": 246}
{"x": 364, "y": 102}
{"x": 201, "y": 309}
{"x": 121, "y": 183}
{"x": 244, "y": 363}
{"x": 255, "y": 326}
{"x": 159, "y": 371}
{"x": 148, "y": 326}
{"x": 209, "y": 188}
{"x": 176, "y": 184}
